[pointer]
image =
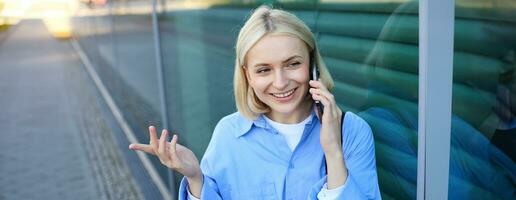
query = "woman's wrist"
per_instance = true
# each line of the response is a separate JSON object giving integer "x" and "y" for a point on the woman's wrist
{"x": 337, "y": 170}
{"x": 195, "y": 185}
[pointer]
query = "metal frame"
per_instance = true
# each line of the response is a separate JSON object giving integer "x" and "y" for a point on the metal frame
{"x": 161, "y": 85}
{"x": 436, "y": 22}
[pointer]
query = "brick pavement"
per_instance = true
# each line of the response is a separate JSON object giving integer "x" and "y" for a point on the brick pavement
{"x": 54, "y": 141}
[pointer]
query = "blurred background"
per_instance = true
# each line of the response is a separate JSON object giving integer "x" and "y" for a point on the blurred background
{"x": 369, "y": 46}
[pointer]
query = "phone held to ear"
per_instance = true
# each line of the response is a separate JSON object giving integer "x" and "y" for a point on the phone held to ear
{"x": 315, "y": 77}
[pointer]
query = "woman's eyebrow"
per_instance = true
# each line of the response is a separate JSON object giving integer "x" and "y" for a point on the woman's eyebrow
{"x": 285, "y": 61}
{"x": 295, "y": 56}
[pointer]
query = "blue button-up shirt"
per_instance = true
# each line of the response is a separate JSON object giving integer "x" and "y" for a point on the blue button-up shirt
{"x": 249, "y": 160}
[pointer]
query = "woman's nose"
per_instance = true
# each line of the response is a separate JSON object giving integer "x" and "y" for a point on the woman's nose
{"x": 280, "y": 80}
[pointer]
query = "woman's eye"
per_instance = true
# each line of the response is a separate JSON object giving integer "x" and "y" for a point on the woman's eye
{"x": 262, "y": 70}
{"x": 294, "y": 64}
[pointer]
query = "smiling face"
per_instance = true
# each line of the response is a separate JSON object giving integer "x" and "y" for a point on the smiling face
{"x": 277, "y": 68}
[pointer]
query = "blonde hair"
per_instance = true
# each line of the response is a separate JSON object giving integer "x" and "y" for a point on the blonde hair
{"x": 264, "y": 21}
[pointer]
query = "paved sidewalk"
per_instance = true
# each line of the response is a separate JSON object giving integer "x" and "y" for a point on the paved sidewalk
{"x": 54, "y": 141}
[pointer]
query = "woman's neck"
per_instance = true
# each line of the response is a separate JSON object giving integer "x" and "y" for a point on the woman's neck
{"x": 294, "y": 117}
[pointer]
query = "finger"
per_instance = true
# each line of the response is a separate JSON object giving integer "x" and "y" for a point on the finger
{"x": 142, "y": 147}
{"x": 162, "y": 142}
{"x": 173, "y": 142}
{"x": 329, "y": 96}
{"x": 331, "y": 110}
{"x": 323, "y": 100}
{"x": 318, "y": 85}
{"x": 153, "y": 138}
{"x": 323, "y": 92}
{"x": 328, "y": 110}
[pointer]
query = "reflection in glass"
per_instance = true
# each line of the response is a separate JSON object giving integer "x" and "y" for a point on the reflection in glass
{"x": 117, "y": 37}
{"x": 483, "y": 122}
{"x": 373, "y": 55}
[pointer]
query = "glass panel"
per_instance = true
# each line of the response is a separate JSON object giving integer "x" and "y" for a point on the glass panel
{"x": 198, "y": 57}
{"x": 370, "y": 47}
{"x": 118, "y": 39}
{"x": 483, "y": 132}
{"x": 134, "y": 77}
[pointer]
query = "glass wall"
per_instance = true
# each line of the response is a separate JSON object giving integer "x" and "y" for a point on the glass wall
{"x": 370, "y": 48}
{"x": 483, "y": 132}
{"x": 372, "y": 51}
{"x": 197, "y": 42}
{"x": 117, "y": 37}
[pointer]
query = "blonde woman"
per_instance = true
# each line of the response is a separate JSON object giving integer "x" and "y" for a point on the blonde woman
{"x": 276, "y": 146}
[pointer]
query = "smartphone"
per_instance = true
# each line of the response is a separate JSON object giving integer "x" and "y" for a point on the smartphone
{"x": 315, "y": 76}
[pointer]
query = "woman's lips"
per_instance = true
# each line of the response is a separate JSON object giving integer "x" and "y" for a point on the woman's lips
{"x": 285, "y": 96}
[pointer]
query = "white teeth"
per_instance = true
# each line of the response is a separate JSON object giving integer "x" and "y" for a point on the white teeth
{"x": 283, "y": 95}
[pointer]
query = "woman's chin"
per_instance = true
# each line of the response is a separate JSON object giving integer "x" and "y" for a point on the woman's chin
{"x": 286, "y": 108}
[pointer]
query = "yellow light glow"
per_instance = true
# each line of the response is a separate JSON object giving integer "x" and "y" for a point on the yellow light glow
{"x": 54, "y": 13}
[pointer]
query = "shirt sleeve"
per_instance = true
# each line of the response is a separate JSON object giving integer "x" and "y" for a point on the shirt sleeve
{"x": 190, "y": 196}
{"x": 209, "y": 190}
{"x": 326, "y": 194}
{"x": 359, "y": 155}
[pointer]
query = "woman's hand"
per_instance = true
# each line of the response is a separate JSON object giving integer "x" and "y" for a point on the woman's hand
{"x": 174, "y": 156}
{"x": 331, "y": 136}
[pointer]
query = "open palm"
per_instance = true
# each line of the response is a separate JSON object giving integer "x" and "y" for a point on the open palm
{"x": 171, "y": 154}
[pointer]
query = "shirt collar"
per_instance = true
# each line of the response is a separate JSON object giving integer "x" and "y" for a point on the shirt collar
{"x": 244, "y": 125}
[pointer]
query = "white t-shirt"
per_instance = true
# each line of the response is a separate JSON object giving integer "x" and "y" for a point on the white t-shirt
{"x": 291, "y": 132}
